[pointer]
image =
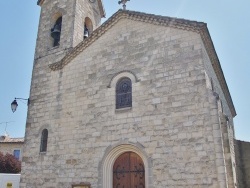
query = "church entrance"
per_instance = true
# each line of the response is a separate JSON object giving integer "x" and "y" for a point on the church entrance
{"x": 128, "y": 171}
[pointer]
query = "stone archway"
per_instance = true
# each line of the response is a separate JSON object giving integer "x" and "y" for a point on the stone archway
{"x": 110, "y": 157}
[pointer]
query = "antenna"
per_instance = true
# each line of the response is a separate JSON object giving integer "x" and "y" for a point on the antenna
{"x": 6, "y": 124}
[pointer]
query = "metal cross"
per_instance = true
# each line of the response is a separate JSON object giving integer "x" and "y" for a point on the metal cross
{"x": 124, "y": 3}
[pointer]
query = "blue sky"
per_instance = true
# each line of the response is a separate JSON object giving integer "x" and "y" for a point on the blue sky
{"x": 227, "y": 20}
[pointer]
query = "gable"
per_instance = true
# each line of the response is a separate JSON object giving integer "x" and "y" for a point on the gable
{"x": 129, "y": 42}
{"x": 131, "y": 15}
{"x": 181, "y": 24}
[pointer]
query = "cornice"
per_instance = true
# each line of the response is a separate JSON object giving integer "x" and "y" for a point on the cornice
{"x": 208, "y": 43}
{"x": 40, "y": 2}
{"x": 100, "y": 5}
{"x": 136, "y": 16}
{"x": 198, "y": 27}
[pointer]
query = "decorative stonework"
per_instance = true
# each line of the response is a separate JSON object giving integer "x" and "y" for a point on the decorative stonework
{"x": 120, "y": 75}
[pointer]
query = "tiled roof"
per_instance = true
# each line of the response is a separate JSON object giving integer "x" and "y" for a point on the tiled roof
{"x": 198, "y": 27}
{"x": 7, "y": 139}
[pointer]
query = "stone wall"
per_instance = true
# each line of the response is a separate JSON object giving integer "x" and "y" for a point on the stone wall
{"x": 243, "y": 163}
{"x": 226, "y": 121}
{"x": 174, "y": 117}
{"x": 73, "y": 14}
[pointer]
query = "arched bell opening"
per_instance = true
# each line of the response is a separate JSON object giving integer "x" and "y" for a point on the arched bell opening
{"x": 88, "y": 27}
{"x": 56, "y": 31}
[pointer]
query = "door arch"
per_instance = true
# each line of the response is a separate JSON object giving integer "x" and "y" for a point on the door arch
{"x": 112, "y": 153}
{"x": 129, "y": 171}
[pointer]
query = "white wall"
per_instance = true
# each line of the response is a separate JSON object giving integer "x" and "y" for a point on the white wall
{"x": 9, "y": 178}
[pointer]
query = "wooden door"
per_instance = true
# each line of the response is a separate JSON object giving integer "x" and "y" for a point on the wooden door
{"x": 128, "y": 171}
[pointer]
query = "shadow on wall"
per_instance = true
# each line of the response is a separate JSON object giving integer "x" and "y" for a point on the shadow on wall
{"x": 243, "y": 163}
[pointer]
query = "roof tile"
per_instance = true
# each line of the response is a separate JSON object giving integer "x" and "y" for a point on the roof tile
{"x": 7, "y": 139}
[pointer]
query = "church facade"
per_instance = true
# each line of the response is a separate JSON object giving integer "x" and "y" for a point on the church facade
{"x": 139, "y": 101}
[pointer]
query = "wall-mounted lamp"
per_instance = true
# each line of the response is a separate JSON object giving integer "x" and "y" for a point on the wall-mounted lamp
{"x": 14, "y": 104}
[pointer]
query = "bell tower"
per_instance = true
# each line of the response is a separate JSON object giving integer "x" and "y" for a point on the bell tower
{"x": 64, "y": 24}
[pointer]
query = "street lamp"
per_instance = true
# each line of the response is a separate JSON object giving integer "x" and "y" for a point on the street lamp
{"x": 14, "y": 104}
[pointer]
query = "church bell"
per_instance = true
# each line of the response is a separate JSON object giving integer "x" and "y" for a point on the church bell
{"x": 56, "y": 32}
{"x": 86, "y": 32}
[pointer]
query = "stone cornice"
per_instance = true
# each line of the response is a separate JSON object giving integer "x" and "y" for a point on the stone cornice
{"x": 198, "y": 27}
{"x": 136, "y": 16}
{"x": 40, "y": 2}
{"x": 217, "y": 67}
{"x": 100, "y": 5}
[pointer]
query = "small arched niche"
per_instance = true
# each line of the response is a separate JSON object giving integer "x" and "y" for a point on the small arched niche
{"x": 56, "y": 28}
{"x": 44, "y": 140}
{"x": 88, "y": 27}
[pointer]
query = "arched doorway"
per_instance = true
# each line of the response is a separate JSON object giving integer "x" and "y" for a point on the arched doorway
{"x": 129, "y": 171}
